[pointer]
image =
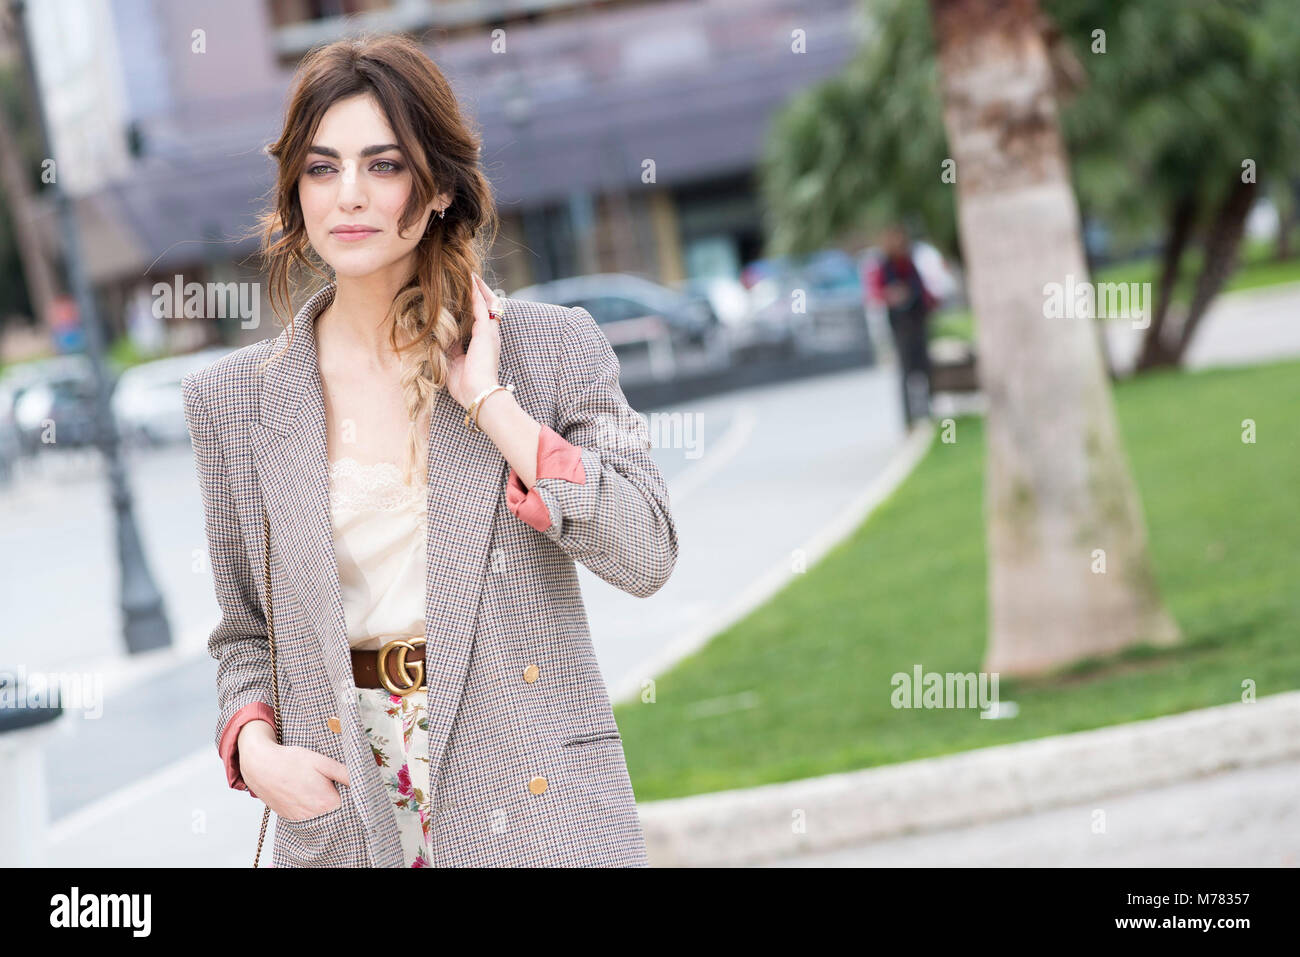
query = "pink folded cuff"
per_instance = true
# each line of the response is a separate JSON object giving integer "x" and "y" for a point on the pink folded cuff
{"x": 556, "y": 458}
{"x": 255, "y": 711}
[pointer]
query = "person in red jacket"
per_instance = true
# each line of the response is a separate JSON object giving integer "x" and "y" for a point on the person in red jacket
{"x": 893, "y": 280}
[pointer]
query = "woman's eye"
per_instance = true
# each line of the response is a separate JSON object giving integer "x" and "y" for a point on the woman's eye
{"x": 392, "y": 167}
{"x": 318, "y": 169}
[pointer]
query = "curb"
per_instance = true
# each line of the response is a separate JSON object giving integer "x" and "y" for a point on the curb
{"x": 754, "y": 825}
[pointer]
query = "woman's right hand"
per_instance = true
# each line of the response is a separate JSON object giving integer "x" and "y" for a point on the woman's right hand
{"x": 296, "y": 783}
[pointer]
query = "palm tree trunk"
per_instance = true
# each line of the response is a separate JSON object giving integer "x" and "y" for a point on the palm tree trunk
{"x": 1181, "y": 220}
{"x": 1288, "y": 202}
{"x": 1057, "y": 485}
{"x": 1222, "y": 247}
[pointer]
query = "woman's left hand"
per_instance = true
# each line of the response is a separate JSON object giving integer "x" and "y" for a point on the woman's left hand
{"x": 470, "y": 373}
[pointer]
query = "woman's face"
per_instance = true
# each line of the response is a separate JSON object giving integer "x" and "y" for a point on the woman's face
{"x": 353, "y": 187}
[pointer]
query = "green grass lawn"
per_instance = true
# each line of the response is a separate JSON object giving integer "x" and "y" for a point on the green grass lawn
{"x": 801, "y": 686}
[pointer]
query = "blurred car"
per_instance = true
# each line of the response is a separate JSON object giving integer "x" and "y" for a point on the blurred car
{"x": 760, "y": 269}
{"x": 834, "y": 285}
{"x": 828, "y": 285}
{"x": 772, "y": 327}
{"x": 635, "y": 313}
{"x": 60, "y": 390}
{"x": 726, "y": 298}
{"x": 727, "y": 301}
{"x": 148, "y": 403}
{"x": 619, "y": 297}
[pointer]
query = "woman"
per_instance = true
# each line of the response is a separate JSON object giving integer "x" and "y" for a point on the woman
{"x": 440, "y": 700}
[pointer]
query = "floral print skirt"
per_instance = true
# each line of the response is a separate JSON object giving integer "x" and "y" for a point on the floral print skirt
{"x": 398, "y": 729}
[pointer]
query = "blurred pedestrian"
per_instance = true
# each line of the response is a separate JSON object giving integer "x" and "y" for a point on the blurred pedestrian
{"x": 893, "y": 279}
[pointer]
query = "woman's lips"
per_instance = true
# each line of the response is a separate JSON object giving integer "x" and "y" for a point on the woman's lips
{"x": 350, "y": 234}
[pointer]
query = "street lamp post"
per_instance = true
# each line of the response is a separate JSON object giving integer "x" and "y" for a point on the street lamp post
{"x": 144, "y": 621}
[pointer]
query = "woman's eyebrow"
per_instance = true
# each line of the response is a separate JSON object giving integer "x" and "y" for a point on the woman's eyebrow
{"x": 368, "y": 151}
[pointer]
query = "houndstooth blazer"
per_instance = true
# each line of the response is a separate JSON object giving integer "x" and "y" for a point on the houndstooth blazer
{"x": 501, "y": 596}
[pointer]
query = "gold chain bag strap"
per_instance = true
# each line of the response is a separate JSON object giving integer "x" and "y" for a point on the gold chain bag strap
{"x": 275, "y": 680}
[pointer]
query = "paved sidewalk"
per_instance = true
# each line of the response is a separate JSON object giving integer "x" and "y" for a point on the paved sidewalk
{"x": 1242, "y": 818}
{"x": 182, "y": 815}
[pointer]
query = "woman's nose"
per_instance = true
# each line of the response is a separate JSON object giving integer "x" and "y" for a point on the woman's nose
{"x": 351, "y": 194}
{"x": 352, "y": 200}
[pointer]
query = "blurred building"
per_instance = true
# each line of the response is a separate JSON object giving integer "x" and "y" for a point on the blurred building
{"x": 619, "y": 136}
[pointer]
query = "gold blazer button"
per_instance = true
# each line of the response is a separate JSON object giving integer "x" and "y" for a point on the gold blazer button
{"x": 537, "y": 785}
{"x": 530, "y": 673}
{"x": 334, "y": 725}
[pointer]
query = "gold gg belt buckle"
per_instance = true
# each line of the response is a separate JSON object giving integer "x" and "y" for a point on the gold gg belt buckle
{"x": 411, "y": 673}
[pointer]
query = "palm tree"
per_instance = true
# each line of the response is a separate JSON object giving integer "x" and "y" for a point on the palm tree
{"x": 1069, "y": 571}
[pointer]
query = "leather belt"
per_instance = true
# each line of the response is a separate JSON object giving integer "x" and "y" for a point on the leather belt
{"x": 398, "y": 666}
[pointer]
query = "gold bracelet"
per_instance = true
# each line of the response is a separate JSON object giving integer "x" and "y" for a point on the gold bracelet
{"x": 470, "y": 409}
{"x": 471, "y": 414}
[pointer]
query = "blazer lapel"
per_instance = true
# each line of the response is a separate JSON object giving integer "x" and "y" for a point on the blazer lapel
{"x": 466, "y": 483}
{"x": 288, "y": 447}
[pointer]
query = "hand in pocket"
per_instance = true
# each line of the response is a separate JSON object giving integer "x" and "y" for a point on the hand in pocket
{"x": 296, "y": 783}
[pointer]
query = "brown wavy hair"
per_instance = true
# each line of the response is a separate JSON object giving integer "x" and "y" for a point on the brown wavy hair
{"x": 442, "y": 152}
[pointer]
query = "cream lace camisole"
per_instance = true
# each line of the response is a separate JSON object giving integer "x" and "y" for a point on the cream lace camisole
{"x": 380, "y": 527}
